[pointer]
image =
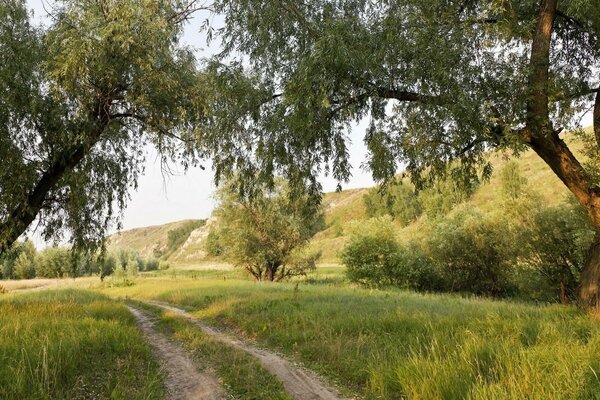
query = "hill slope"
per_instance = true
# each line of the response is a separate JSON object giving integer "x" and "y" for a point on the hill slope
{"x": 342, "y": 209}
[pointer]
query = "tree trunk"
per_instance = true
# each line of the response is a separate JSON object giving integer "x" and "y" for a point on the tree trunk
{"x": 589, "y": 286}
{"x": 25, "y": 213}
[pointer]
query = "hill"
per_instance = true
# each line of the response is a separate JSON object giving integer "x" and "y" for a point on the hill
{"x": 342, "y": 209}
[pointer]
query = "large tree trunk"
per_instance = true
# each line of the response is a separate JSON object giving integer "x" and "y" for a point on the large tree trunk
{"x": 589, "y": 287}
{"x": 545, "y": 141}
{"x": 25, "y": 213}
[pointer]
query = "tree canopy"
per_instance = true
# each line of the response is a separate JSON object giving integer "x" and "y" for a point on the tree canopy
{"x": 440, "y": 82}
{"x": 266, "y": 233}
{"x": 78, "y": 103}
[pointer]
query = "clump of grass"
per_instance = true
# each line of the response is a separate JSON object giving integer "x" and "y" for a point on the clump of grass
{"x": 393, "y": 344}
{"x": 241, "y": 373}
{"x": 73, "y": 344}
{"x": 3, "y": 290}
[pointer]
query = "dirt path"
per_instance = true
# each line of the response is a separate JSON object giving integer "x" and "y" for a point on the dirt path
{"x": 184, "y": 381}
{"x": 299, "y": 383}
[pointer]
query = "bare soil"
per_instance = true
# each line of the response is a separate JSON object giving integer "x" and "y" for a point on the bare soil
{"x": 184, "y": 381}
{"x": 299, "y": 383}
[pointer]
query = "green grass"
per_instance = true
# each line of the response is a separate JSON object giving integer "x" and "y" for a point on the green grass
{"x": 240, "y": 373}
{"x": 73, "y": 344}
{"x": 392, "y": 344}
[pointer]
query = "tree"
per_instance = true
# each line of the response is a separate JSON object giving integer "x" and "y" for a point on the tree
{"x": 80, "y": 100}
{"x": 441, "y": 82}
{"x": 24, "y": 267}
{"x": 266, "y": 234}
{"x": 512, "y": 181}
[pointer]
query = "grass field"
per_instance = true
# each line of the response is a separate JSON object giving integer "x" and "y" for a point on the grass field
{"x": 392, "y": 344}
{"x": 73, "y": 344}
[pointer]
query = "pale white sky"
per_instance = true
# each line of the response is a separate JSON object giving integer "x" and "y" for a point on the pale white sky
{"x": 160, "y": 200}
{"x": 189, "y": 195}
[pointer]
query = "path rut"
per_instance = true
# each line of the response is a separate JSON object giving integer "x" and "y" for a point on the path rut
{"x": 299, "y": 383}
{"x": 183, "y": 381}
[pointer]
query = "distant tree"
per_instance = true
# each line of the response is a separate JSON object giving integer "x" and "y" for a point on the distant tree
{"x": 55, "y": 262}
{"x": 513, "y": 182}
{"x": 266, "y": 234}
{"x": 24, "y": 265}
{"x": 8, "y": 260}
{"x": 441, "y": 83}
{"x": 107, "y": 266}
{"x": 212, "y": 243}
{"x": 80, "y": 100}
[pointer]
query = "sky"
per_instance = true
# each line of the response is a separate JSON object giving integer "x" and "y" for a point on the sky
{"x": 188, "y": 194}
{"x": 160, "y": 199}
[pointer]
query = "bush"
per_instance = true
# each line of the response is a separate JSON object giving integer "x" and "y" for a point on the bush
{"x": 152, "y": 264}
{"x": 475, "y": 252}
{"x": 558, "y": 245}
{"x": 212, "y": 243}
{"x": 442, "y": 197}
{"x": 163, "y": 265}
{"x": 371, "y": 256}
{"x": 107, "y": 266}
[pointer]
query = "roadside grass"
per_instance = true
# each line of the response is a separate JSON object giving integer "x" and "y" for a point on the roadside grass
{"x": 240, "y": 373}
{"x": 73, "y": 344}
{"x": 393, "y": 344}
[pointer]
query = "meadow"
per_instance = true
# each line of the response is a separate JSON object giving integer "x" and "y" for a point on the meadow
{"x": 73, "y": 344}
{"x": 394, "y": 344}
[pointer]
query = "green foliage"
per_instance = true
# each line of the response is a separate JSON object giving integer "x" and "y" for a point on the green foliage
{"x": 24, "y": 266}
{"x": 371, "y": 255}
{"x": 512, "y": 181}
{"x": 107, "y": 267}
{"x": 163, "y": 265}
{"x": 54, "y": 262}
{"x": 398, "y": 199}
{"x": 212, "y": 243}
{"x": 266, "y": 232}
{"x": 23, "y": 252}
{"x": 78, "y": 110}
{"x": 476, "y": 251}
{"x": 442, "y": 196}
{"x": 177, "y": 237}
{"x": 559, "y": 242}
{"x": 308, "y": 80}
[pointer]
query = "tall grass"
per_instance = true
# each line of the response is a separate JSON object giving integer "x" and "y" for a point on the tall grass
{"x": 73, "y": 344}
{"x": 393, "y": 344}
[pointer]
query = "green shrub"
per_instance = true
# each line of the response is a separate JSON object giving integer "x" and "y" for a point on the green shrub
{"x": 212, "y": 243}
{"x": 558, "y": 245}
{"x": 152, "y": 264}
{"x": 371, "y": 256}
{"x": 442, "y": 197}
{"x": 475, "y": 252}
{"x": 163, "y": 265}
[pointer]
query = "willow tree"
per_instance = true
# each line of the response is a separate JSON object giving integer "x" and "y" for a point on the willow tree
{"x": 267, "y": 233}
{"x": 78, "y": 103}
{"x": 441, "y": 82}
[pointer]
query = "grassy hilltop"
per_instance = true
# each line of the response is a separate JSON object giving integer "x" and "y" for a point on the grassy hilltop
{"x": 342, "y": 209}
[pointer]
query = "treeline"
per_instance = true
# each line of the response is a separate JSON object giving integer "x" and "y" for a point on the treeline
{"x": 23, "y": 261}
{"x": 517, "y": 246}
